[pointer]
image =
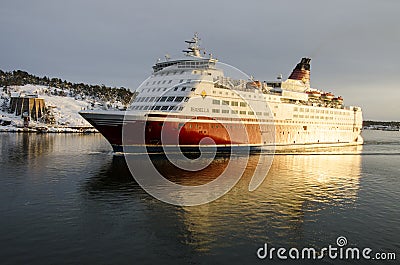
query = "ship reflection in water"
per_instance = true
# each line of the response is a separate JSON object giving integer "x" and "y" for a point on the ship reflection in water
{"x": 284, "y": 209}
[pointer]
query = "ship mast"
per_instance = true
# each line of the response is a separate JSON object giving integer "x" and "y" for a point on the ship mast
{"x": 193, "y": 48}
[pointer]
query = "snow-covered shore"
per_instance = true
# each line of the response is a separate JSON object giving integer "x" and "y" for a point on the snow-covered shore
{"x": 63, "y": 108}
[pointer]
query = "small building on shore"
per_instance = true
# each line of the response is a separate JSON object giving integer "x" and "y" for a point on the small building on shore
{"x": 32, "y": 105}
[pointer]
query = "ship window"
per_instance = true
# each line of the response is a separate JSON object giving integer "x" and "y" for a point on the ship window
{"x": 266, "y": 114}
{"x": 141, "y": 107}
{"x": 171, "y": 107}
{"x": 216, "y": 102}
{"x": 225, "y": 102}
{"x": 242, "y": 112}
{"x": 234, "y": 111}
{"x": 178, "y": 99}
{"x": 181, "y": 81}
{"x": 162, "y": 99}
{"x": 182, "y": 72}
{"x": 146, "y": 108}
{"x": 214, "y": 92}
{"x": 215, "y": 110}
{"x": 164, "y": 108}
{"x": 301, "y": 110}
{"x": 183, "y": 88}
{"x": 220, "y": 92}
{"x": 152, "y": 99}
{"x": 158, "y": 82}
{"x": 251, "y": 112}
{"x": 157, "y": 107}
{"x": 165, "y": 89}
{"x": 189, "y": 80}
{"x": 164, "y": 81}
{"x": 225, "y": 111}
{"x": 154, "y": 82}
{"x": 147, "y": 83}
{"x": 193, "y": 88}
{"x": 170, "y": 81}
{"x": 175, "y": 88}
{"x": 186, "y": 99}
{"x": 147, "y": 99}
{"x": 158, "y": 89}
{"x": 180, "y": 108}
{"x": 258, "y": 113}
{"x": 234, "y": 103}
{"x": 307, "y": 110}
{"x": 296, "y": 109}
{"x": 170, "y": 99}
{"x": 243, "y": 104}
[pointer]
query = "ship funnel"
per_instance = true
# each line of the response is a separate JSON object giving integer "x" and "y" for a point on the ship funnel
{"x": 302, "y": 71}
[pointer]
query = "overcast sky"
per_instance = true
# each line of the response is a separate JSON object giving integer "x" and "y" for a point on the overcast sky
{"x": 354, "y": 44}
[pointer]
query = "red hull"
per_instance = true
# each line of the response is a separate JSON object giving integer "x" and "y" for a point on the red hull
{"x": 198, "y": 131}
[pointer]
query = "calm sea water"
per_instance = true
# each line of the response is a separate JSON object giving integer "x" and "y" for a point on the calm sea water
{"x": 66, "y": 199}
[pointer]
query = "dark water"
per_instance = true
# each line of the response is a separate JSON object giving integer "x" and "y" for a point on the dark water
{"x": 66, "y": 199}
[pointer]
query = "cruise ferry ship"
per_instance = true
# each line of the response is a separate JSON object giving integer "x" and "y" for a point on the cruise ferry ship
{"x": 190, "y": 103}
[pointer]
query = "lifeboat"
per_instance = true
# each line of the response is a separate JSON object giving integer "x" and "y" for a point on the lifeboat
{"x": 338, "y": 99}
{"x": 253, "y": 84}
{"x": 313, "y": 94}
{"x": 328, "y": 96}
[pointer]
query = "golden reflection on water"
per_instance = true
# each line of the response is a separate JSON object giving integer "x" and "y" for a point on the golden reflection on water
{"x": 296, "y": 188}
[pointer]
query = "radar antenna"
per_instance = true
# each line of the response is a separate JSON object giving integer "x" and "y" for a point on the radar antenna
{"x": 193, "y": 48}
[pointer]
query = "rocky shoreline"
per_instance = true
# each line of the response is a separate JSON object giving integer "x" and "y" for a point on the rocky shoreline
{"x": 13, "y": 129}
